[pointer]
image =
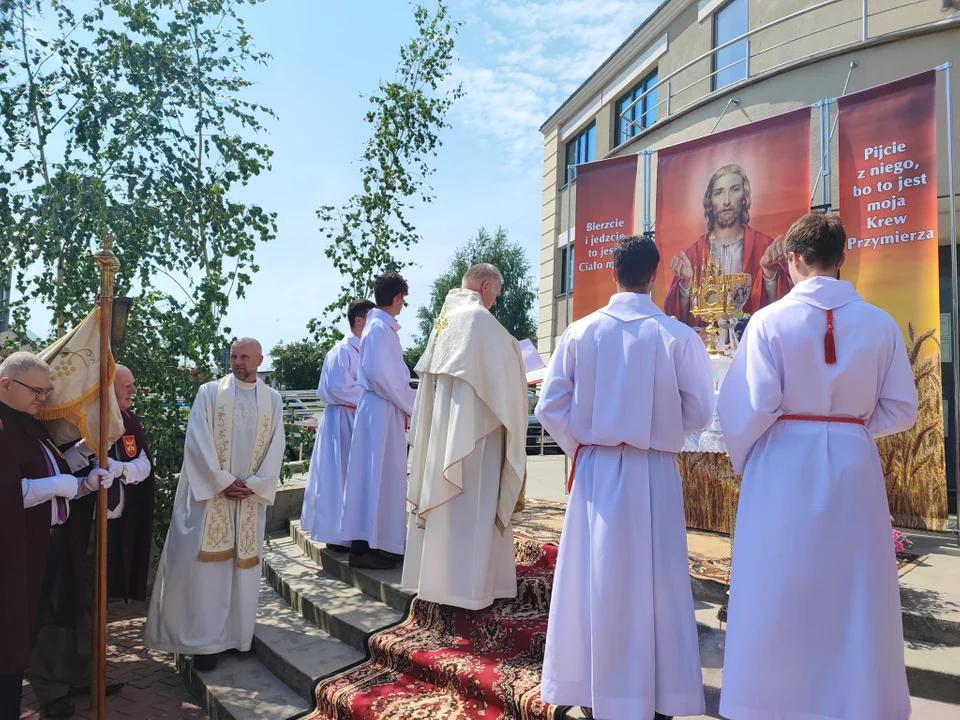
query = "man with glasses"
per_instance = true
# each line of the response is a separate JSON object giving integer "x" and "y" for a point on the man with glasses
{"x": 375, "y": 492}
{"x": 35, "y": 490}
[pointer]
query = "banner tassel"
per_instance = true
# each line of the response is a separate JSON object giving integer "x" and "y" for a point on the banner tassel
{"x": 829, "y": 344}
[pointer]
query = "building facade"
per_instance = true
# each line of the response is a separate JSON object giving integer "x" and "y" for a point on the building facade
{"x": 695, "y": 67}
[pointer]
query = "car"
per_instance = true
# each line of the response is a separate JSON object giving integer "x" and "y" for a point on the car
{"x": 538, "y": 441}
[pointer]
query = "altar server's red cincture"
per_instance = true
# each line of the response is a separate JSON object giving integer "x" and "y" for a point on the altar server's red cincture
{"x": 824, "y": 419}
{"x": 801, "y": 418}
{"x": 573, "y": 470}
{"x": 348, "y": 407}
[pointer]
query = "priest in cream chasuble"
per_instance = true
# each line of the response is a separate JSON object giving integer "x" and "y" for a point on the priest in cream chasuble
{"x": 468, "y": 464}
{"x": 205, "y": 595}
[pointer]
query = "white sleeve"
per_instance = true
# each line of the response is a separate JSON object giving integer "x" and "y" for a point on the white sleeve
{"x": 750, "y": 396}
{"x": 78, "y": 457}
{"x": 37, "y": 491}
{"x": 896, "y": 409}
{"x": 556, "y": 396}
{"x": 339, "y": 384}
{"x": 695, "y": 382}
{"x": 385, "y": 370}
{"x": 138, "y": 469}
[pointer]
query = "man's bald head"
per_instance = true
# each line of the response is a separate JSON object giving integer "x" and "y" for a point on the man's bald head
{"x": 246, "y": 355}
{"x": 123, "y": 387}
{"x": 485, "y": 280}
{"x": 249, "y": 344}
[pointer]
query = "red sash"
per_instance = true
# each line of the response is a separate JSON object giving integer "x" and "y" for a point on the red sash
{"x": 824, "y": 419}
{"x": 573, "y": 470}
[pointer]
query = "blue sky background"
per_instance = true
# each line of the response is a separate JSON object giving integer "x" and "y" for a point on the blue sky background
{"x": 517, "y": 60}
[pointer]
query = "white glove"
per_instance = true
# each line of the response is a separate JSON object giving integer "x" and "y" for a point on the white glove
{"x": 98, "y": 478}
{"x": 65, "y": 486}
{"x": 115, "y": 468}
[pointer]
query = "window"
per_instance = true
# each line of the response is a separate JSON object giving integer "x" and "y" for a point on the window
{"x": 642, "y": 114}
{"x": 566, "y": 279}
{"x": 581, "y": 149}
{"x": 730, "y": 64}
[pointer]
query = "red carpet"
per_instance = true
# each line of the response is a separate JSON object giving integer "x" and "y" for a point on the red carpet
{"x": 442, "y": 663}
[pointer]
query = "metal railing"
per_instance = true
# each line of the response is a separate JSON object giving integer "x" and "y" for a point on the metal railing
{"x": 666, "y": 81}
{"x": 307, "y": 409}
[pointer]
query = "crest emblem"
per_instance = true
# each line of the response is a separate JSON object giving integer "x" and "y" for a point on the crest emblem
{"x": 130, "y": 445}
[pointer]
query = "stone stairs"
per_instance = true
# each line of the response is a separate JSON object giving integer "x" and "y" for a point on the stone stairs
{"x": 316, "y": 613}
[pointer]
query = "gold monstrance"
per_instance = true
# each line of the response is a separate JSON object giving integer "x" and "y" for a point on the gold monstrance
{"x": 717, "y": 298}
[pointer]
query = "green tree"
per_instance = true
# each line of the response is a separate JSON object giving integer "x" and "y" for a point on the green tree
{"x": 296, "y": 365}
{"x": 129, "y": 117}
{"x": 515, "y": 307}
{"x": 406, "y": 117}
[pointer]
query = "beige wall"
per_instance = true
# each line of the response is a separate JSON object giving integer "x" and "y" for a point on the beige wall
{"x": 783, "y": 78}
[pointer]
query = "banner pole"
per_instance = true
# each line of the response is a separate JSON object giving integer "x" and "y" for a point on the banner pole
{"x": 98, "y": 661}
{"x": 947, "y": 69}
{"x": 824, "y": 155}
{"x": 571, "y": 169}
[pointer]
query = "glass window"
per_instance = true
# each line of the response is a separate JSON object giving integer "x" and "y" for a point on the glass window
{"x": 640, "y": 114}
{"x": 730, "y": 64}
{"x": 581, "y": 149}
{"x": 566, "y": 279}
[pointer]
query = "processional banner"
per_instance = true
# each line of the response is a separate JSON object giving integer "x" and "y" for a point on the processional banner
{"x": 606, "y": 194}
{"x": 888, "y": 202}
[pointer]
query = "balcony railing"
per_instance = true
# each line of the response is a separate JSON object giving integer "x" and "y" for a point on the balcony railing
{"x": 665, "y": 85}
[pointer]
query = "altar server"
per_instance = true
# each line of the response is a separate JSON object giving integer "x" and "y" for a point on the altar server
{"x": 338, "y": 388}
{"x": 623, "y": 387}
{"x": 205, "y": 596}
{"x": 814, "y": 618}
{"x": 468, "y": 432}
{"x": 374, "y": 502}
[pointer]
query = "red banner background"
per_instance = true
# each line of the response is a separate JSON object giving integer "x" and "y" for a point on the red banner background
{"x": 606, "y": 192}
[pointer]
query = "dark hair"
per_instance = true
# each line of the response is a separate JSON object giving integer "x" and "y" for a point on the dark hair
{"x": 356, "y": 309}
{"x": 635, "y": 259}
{"x": 818, "y": 238}
{"x": 387, "y": 287}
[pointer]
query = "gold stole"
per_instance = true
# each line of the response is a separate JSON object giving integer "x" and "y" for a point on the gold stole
{"x": 221, "y": 540}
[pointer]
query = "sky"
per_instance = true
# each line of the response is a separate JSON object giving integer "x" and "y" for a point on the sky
{"x": 518, "y": 60}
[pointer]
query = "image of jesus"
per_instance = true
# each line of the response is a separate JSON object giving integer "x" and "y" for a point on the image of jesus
{"x": 736, "y": 246}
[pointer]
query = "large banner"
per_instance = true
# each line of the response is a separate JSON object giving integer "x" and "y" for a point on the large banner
{"x": 888, "y": 201}
{"x": 731, "y": 197}
{"x": 605, "y": 207}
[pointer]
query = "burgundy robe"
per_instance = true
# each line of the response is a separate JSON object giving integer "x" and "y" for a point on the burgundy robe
{"x": 24, "y": 534}
{"x": 755, "y": 244}
{"x": 128, "y": 579}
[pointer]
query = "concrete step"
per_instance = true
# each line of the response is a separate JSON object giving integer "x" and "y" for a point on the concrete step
{"x": 382, "y": 585}
{"x": 275, "y": 680}
{"x": 342, "y": 611}
{"x": 242, "y": 688}
{"x": 296, "y": 651}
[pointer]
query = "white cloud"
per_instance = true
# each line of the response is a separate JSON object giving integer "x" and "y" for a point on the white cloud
{"x": 535, "y": 53}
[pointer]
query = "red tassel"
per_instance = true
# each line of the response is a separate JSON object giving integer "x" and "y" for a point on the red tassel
{"x": 829, "y": 345}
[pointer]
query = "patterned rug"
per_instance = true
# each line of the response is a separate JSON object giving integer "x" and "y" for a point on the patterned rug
{"x": 443, "y": 663}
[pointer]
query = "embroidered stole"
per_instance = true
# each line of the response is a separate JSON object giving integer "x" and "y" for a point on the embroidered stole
{"x": 227, "y": 534}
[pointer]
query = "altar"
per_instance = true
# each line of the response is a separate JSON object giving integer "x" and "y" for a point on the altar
{"x": 711, "y": 489}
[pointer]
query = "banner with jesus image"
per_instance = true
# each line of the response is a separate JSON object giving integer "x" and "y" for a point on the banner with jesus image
{"x": 729, "y": 198}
